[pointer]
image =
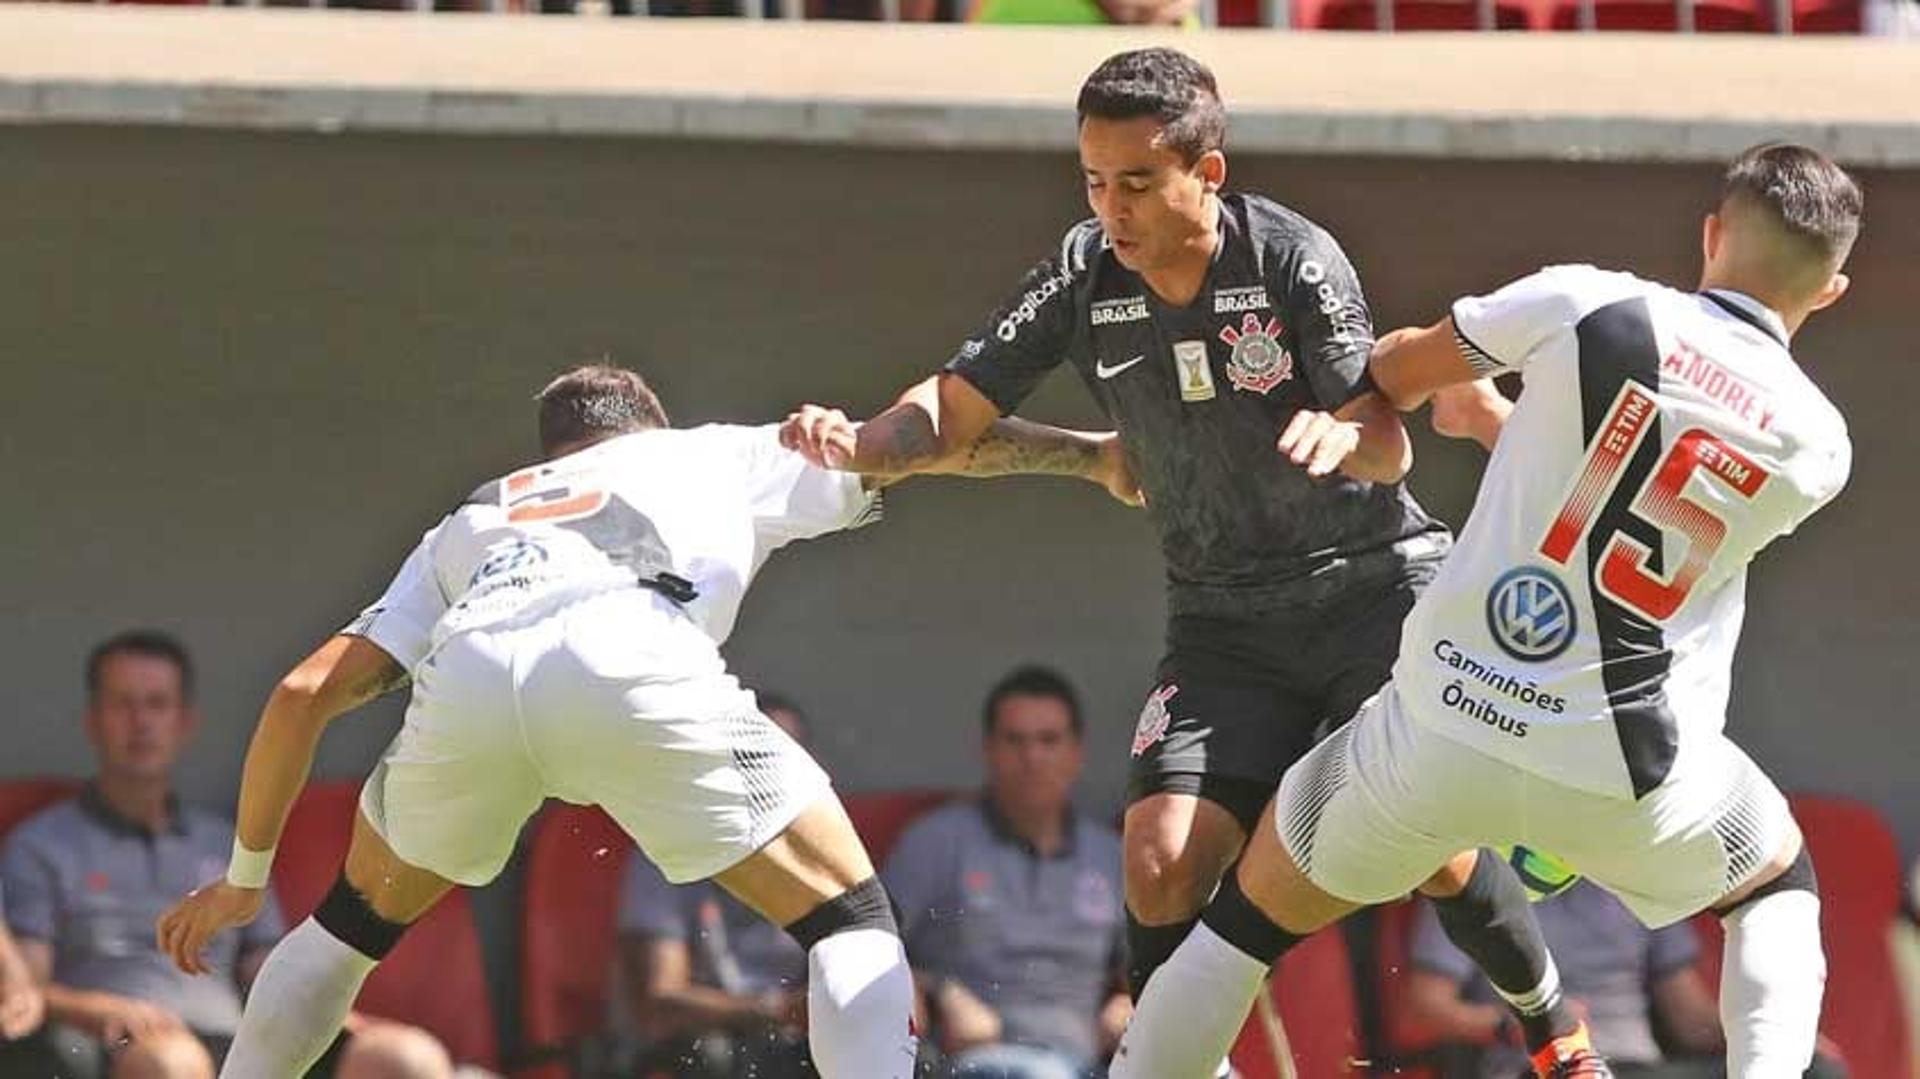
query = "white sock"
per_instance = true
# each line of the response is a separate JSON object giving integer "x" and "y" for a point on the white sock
{"x": 1191, "y": 1012}
{"x": 1771, "y": 980}
{"x": 860, "y": 1006}
{"x": 296, "y": 1005}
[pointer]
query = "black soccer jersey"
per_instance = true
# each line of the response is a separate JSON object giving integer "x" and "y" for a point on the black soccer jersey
{"x": 1200, "y": 394}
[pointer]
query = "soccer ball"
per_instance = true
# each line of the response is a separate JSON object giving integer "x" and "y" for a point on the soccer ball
{"x": 1543, "y": 875}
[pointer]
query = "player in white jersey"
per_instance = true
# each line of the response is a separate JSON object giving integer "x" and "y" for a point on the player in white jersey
{"x": 1563, "y": 684}
{"x": 561, "y": 631}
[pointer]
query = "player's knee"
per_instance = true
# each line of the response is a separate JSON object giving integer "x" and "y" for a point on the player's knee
{"x": 395, "y": 1051}
{"x": 1453, "y": 878}
{"x": 176, "y": 1055}
{"x": 1789, "y": 870}
{"x": 1164, "y": 883}
{"x": 863, "y": 906}
{"x": 347, "y": 915}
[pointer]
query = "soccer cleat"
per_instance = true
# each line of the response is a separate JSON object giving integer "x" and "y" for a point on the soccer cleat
{"x": 1571, "y": 1056}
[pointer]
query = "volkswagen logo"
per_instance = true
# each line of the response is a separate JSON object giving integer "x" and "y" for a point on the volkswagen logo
{"x": 519, "y": 555}
{"x": 1530, "y": 614}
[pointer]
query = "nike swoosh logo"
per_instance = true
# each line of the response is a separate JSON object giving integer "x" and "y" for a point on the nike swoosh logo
{"x": 1100, "y": 367}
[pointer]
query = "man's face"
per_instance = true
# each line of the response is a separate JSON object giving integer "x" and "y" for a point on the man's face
{"x": 140, "y": 720}
{"x": 1033, "y": 756}
{"x": 1150, "y": 201}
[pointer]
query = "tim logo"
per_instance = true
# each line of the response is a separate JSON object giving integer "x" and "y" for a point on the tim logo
{"x": 1530, "y": 614}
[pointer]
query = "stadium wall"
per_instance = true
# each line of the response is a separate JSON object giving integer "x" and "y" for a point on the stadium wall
{"x": 244, "y": 370}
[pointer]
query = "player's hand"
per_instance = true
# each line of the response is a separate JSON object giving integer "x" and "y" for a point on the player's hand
{"x": 824, "y": 436}
{"x": 184, "y": 931}
{"x": 1475, "y": 410}
{"x": 122, "y": 1020}
{"x": 1318, "y": 442}
{"x": 1116, "y": 476}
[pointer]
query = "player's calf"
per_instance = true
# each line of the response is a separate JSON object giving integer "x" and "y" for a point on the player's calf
{"x": 859, "y": 988}
{"x": 307, "y": 985}
{"x": 309, "y": 981}
{"x": 1485, "y": 912}
{"x": 1194, "y": 1006}
{"x": 1774, "y": 972}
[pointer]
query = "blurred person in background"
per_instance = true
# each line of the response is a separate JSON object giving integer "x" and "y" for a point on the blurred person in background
{"x": 1011, "y": 902}
{"x": 85, "y": 879}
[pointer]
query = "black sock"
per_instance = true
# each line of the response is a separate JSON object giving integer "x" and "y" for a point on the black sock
{"x": 1492, "y": 921}
{"x": 1237, "y": 921}
{"x": 1148, "y": 946}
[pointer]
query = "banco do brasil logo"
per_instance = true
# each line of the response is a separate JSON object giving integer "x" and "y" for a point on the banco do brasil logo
{"x": 1530, "y": 614}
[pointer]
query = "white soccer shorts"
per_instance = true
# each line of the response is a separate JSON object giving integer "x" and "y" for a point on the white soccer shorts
{"x": 596, "y": 706}
{"x": 1384, "y": 801}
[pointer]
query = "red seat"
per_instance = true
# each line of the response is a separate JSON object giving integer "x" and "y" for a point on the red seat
{"x": 1827, "y": 17}
{"x": 574, "y": 865}
{"x": 880, "y": 816}
{"x": 1662, "y": 16}
{"x": 1858, "y": 863}
{"x": 433, "y": 978}
{"x": 1314, "y": 991}
{"x": 1416, "y": 15}
{"x": 1407, "y": 1038}
{"x": 22, "y": 798}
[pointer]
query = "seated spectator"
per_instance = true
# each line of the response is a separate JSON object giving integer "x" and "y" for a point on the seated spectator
{"x": 1010, "y": 904}
{"x": 715, "y": 991}
{"x": 85, "y": 880}
{"x": 1640, "y": 990}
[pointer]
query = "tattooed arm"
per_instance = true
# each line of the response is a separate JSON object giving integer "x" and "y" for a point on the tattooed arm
{"x": 944, "y": 426}
{"x": 1017, "y": 447}
{"x": 343, "y": 674}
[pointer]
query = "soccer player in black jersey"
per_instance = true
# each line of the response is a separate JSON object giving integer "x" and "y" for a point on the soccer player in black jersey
{"x": 1226, "y": 338}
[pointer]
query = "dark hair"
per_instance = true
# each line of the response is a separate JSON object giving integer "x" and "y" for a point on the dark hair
{"x": 1169, "y": 86}
{"x": 153, "y": 643}
{"x": 1806, "y": 194}
{"x": 1033, "y": 681}
{"x": 780, "y": 702}
{"x": 596, "y": 401}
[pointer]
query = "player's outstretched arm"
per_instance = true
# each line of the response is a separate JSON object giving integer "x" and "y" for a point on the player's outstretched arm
{"x": 944, "y": 426}
{"x": 934, "y": 420}
{"x": 1409, "y": 364}
{"x": 1420, "y": 363}
{"x": 341, "y": 675}
{"x": 1016, "y": 447}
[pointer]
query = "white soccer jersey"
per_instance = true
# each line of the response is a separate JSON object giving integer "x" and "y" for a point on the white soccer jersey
{"x": 696, "y": 512}
{"x": 1585, "y": 623}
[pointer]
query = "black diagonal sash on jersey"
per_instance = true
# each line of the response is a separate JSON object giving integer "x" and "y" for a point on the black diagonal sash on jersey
{"x": 1617, "y": 344}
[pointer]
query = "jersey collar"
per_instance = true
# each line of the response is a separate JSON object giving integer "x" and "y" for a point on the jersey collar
{"x": 95, "y": 806}
{"x": 1750, "y": 311}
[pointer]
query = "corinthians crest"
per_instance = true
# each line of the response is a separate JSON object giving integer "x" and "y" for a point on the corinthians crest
{"x": 1259, "y": 363}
